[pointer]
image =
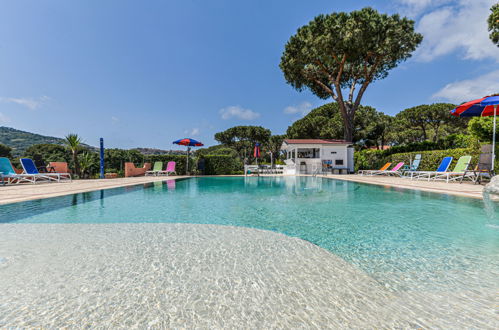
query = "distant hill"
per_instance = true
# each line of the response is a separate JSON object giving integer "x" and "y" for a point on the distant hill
{"x": 19, "y": 140}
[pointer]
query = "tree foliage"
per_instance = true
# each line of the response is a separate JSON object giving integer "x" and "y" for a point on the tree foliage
{"x": 217, "y": 150}
{"x": 427, "y": 122}
{"x": 73, "y": 143}
{"x": 89, "y": 164}
{"x": 379, "y": 131}
{"x": 5, "y": 151}
{"x": 493, "y": 22}
{"x": 325, "y": 122}
{"x": 482, "y": 128}
{"x": 274, "y": 146}
{"x": 342, "y": 51}
{"x": 48, "y": 153}
{"x": 243, "y": 138}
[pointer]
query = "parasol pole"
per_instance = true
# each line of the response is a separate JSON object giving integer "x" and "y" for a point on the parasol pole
{"x": 494, "y": 138}
{"x": 187, "y": 169}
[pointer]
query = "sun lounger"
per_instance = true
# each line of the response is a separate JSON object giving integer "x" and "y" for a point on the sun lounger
{"x": 29, "y": 168}
{"x": 371, "y": 172}
{"x": 483, "y": 168}
{"x": 443, "y": 167}
{"x": 158, "y": 167}
{"x": 9, "y": 174}
{"x": 170, "y": 169}
{"x": 415, "y": 163}
{"x": 41, "y": 166}
{"x": 461, "y": 166}
{"x": 394, "y": 171}
{"x": 411, "y": 168}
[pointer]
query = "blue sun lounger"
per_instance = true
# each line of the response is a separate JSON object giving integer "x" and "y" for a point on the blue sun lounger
{"x": 29, "y": 167}
{"x": 442, "y": 168}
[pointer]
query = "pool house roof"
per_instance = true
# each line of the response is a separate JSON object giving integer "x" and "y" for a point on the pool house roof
{"x": 316, "y": 141}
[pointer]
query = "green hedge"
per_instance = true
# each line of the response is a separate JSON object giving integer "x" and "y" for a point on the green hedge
{"x": 374, "y": 159}
{"x": 430, "y": 160}
{"x": 369, "y": 159}
{"x": 221, "y": 164}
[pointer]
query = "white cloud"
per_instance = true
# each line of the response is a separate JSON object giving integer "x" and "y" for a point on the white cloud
{"x": 453, "y": 26}
{"x": 466, "y": 90}
{"x": 4, "y": 119}
{"x": 114, "y": 119}
{"x": 302, "y": 109}
{"x": 30, "y": 103}
{"x": 238, "y": 112}
{"x": 414, "y": 8}
{"x": 192, "y": 132}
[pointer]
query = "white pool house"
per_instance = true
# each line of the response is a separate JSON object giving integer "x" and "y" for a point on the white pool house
{"x": 316, "y": 156}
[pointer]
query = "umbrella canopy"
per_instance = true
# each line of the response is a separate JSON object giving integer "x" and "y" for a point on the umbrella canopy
{"x": 491, "y": 100}
{"x": 477, "y": 108}
{"x": 486, "y": 106}
{"x": 188, "y": 142}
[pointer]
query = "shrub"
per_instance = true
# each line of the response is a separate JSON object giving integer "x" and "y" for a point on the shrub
{"x": 221, "y": 164}
{"x": 369, "y": 159}
{"x": 116, "y": 158}
{"x": 5, "y": 151}
{"x": 89, "y": 164}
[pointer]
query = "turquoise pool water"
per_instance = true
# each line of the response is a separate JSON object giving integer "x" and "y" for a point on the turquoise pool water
{"x": 405, "y": 239}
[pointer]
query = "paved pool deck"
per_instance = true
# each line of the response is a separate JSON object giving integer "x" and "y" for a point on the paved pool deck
{"x": 466, "y": 189}
{"x": 25, "y": 192}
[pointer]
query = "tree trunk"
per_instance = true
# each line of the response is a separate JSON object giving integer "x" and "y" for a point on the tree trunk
{"x": 347, "y": 113}
{"x": 75, "y": 161}
{"x": 424, "y": 133}
{"x": 436, "y": 137}
{"x": 348, "y": 133}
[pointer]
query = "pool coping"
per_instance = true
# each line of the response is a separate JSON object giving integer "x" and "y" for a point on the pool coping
{"x": 21, "y": 193}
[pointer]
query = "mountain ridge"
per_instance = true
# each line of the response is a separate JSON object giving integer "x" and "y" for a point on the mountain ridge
{"x": 20, "y": 140}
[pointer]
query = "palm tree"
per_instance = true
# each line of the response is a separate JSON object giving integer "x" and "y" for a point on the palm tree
{"x": 87, "y": 161}
{"x": 73, "y": 143}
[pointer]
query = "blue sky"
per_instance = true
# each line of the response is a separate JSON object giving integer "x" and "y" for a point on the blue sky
{"x": 144, "y": 73}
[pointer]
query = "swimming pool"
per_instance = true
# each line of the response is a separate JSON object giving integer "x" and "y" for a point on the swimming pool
{"x": 404, "y": 239}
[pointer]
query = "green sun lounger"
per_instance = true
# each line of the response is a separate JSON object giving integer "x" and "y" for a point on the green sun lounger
{"x": 156, "y": 169}
{"x": 457, "y": 172}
